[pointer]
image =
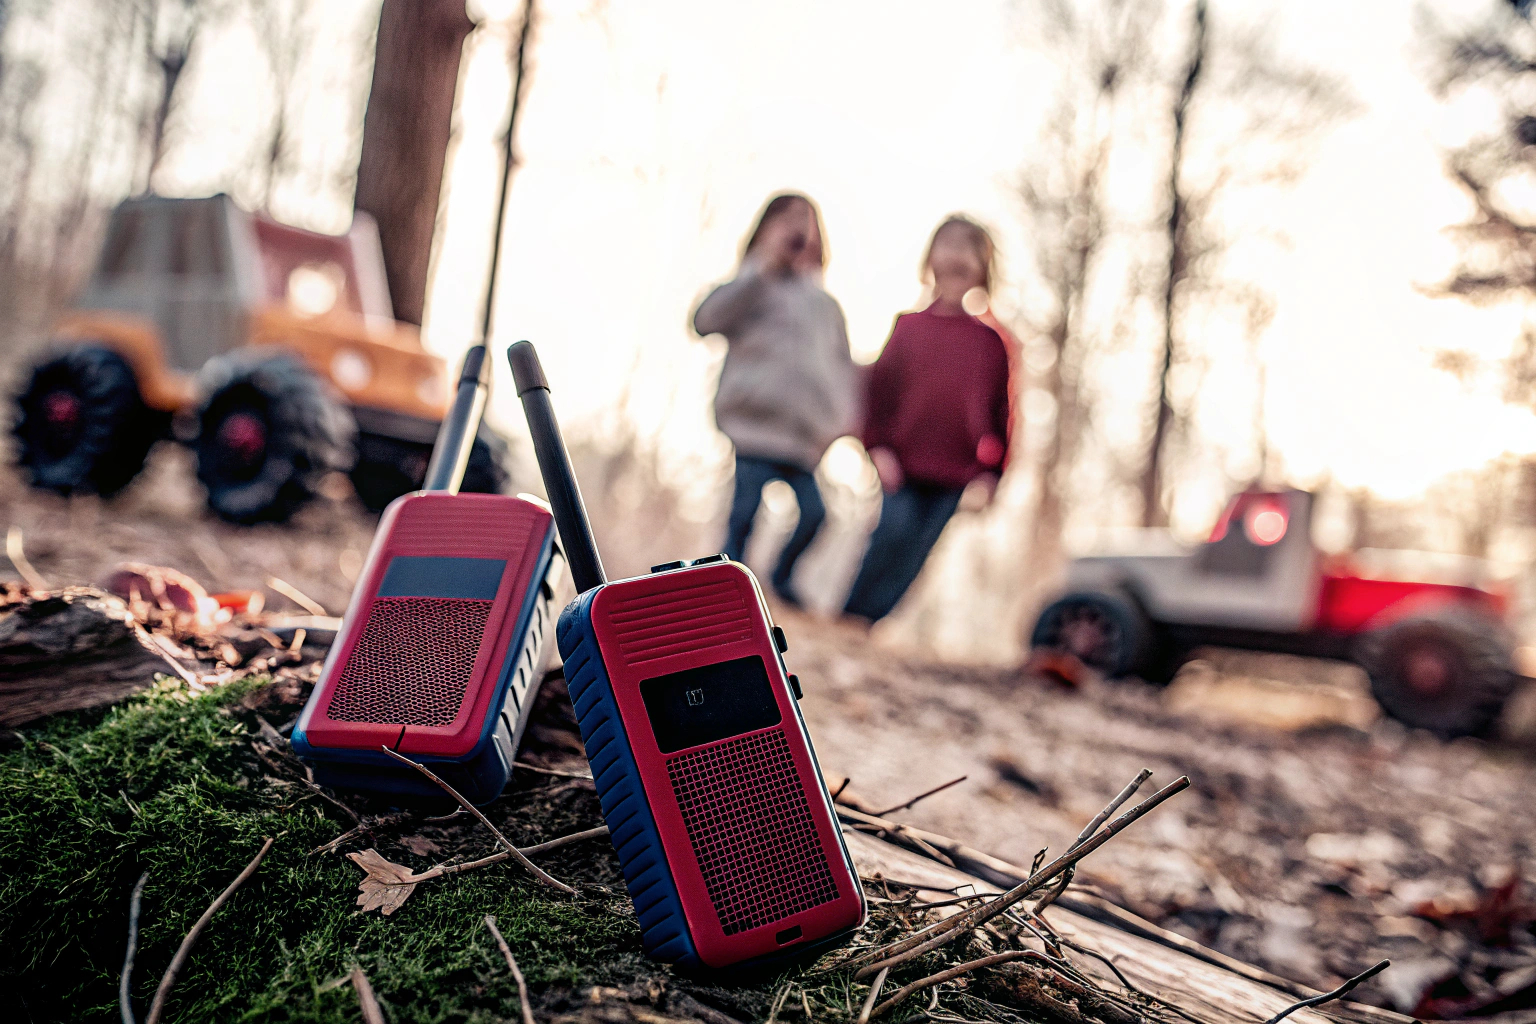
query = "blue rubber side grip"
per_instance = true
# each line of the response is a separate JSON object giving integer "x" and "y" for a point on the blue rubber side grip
{"x": 663, "y": 928}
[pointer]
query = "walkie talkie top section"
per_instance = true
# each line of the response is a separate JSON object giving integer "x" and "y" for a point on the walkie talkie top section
{"x": 724, "y": 829}
{"x": 443, "y": 646}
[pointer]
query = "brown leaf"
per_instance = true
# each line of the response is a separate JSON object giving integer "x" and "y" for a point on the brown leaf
{"x": 377, "y": 891}
{"x": 421, "y": 846}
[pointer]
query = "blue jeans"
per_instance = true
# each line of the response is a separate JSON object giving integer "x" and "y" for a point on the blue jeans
{"x": 752, "y": 475}
{"x": 910, "y": 523}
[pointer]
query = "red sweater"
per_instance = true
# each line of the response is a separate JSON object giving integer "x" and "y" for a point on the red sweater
{"x": 939, "y": 399}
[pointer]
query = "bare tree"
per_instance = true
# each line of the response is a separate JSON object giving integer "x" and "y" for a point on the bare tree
{"x": 283, "y": 27}
{"x": 1497, "y": 258}
{"x": 405, "y": 137}
{"x": 1100, "y": 48}
{"x": 170, "y": 29}
{"x": 1239, "y": 118}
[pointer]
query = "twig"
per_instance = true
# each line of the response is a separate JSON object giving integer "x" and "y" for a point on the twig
{"x": 157, "y": 1008}
{"x": 920, "y": 796}
{"x": 124, "y": 985}
{"x": 497, "y": 858}
{"x": 517, "y": 975}
{"x": 1107, "y": 962}
{"x": 1328, "y": 997}
{"x": 874, "y": 992}
{"x": 312, "y": 784}
{"x": 552, "y": 771}
{"x": 297, "y": 596}
{"x": 1114, "y": 805}
{"x": 846, "y": 780}
{"x": 517, "y": 854}
{"x": 955, "y": 972}
{"x": 18, "y": 557}
{"x": 366, "y": 1000}
{"x": 917, "y": 945}
{"x": 778, "y": 1003}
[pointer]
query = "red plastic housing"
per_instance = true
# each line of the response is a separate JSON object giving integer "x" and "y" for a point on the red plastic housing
{"x": 377, "y": 687}
{"x": 745, "y": 821}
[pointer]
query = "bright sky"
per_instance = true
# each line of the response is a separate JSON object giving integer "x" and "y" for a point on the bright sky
{"x": 652, "y": 133}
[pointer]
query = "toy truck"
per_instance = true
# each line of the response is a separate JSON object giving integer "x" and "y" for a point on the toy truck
{"x": 272, "y": 351}
{"x": 1439, "y": 655}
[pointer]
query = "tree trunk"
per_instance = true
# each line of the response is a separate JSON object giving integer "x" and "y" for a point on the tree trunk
{"x": 405, "y": 137}
{"x": 1153, "y": 512}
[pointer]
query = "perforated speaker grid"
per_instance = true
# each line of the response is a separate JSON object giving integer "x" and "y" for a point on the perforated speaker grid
{"x": 752, "y": 831}
{"x": 412, "y": 663}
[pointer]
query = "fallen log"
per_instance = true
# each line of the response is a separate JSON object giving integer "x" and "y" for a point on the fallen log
{"x": 75, "y": 649}
{"x": 1212, "y": 986}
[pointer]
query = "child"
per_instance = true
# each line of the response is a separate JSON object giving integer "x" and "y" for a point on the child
{"x": 938, "y": 403}
{"x": 787, "y": 390}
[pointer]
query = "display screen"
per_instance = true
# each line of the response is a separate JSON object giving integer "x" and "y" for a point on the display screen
{"x": 709, "y": 703}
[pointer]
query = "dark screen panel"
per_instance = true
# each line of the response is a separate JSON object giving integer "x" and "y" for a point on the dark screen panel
{"x": 709, "y": 703}
{"x": 475, "y": 579}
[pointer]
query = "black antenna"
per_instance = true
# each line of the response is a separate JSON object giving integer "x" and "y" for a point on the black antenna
{"x": 555, "y": 467}
{"x": 450, "y": 453}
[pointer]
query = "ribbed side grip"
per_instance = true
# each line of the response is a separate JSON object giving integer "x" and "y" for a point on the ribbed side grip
{"x": 663, "y": 928}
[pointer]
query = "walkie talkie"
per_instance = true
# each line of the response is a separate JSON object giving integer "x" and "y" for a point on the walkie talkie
{"x": 443, "y": 645}
{"x": 706, "y": 774}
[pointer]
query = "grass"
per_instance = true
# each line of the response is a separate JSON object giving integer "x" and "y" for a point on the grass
{"x": 168, "y": 783}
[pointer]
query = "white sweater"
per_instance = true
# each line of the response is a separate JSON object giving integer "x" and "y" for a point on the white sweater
{"x": 789, "y": 387}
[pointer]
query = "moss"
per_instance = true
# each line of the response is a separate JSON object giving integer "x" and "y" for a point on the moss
{"x": 169, "y": 784}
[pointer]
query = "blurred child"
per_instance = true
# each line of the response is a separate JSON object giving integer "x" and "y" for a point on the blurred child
{"x": 937, "y": 415}
{"x": 788, "y": 387}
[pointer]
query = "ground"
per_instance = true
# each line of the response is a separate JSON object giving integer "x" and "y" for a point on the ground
{"x": 1310, "y": 843}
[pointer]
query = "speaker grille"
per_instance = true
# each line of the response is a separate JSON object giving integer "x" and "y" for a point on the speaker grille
{"x": 751, "y": 830}
{"x": 412, "y": 663}
{"x": 685, "y": 619}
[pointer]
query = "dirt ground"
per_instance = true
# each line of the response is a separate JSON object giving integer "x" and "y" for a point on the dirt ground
{"x": 1316, "y": 838}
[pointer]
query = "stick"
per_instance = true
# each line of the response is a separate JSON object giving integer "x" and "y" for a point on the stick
{"x": 517, "y": 975}
{"x": 18, "y": 557}
{"x": 366, "y": 1000}
{"x": 1328, "y": 997}
{"x": 1113, "y": 806}
{"x": 551, "y": 771}
{"x": 920, "y": 796}
{"x": 1093, "y": 826}
{"x": 906, "y": 949}
{"x": 297, "y": 596}
{"x": 874, "y": 991}
{"x": 157, "y": 1008}
{"x": 497, "y": 858}
{"x": 124, "y": 998}
{"x": 955, "y": 972}
{"x": 846, "y": 779}
{"x": 517, "y": 854}
{"x": 1107, "y": 962}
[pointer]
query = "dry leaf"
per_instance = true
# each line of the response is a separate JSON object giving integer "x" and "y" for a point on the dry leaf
{"x": 378, "y": 892}
{"x": 421, "y": 846}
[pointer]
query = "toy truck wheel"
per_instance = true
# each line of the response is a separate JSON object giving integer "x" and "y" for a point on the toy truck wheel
{"x": 486, "y": 472}
{"x": 81, "y": 425}
{"x": 387, "y": 468}
{"x": 1448, "y": 672}
{"x": 1105, "y": 631}
{"x": 269, "y": 431}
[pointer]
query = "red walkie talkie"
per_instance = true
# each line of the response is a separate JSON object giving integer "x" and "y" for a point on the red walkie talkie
{"x": 708, "y": 781}
{"x": 440, "y": 653}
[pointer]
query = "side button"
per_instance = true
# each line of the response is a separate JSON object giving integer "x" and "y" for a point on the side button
{"x": 794, "y": 684}
{"x": 664, "y": 566}
{"x": 780, "y": 640}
